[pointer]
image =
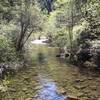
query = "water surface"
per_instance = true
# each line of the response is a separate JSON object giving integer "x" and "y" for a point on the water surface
{"x": 48, "y": 76}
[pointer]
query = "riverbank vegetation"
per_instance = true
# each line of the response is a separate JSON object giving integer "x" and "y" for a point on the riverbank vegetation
{"x": 18, "y": 19}
{"x": 76, "y": 28}
{"x": 71, "y": 25}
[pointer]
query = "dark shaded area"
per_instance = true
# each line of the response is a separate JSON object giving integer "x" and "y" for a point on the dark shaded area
{"x": 5, "y": 70}
{"x": 46, "y": 4}
{"x": 41, "y": 58}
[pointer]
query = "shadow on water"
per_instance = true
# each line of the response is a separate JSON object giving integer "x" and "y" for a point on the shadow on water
{"x": 41, "y": 58}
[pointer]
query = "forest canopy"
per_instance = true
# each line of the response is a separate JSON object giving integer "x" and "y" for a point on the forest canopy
{"x": 70, "y": 24}
{"x": 51, "y": 48}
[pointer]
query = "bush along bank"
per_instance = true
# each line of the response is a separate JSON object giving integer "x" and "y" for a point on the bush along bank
{"x": 10, "y": 60}
{"x": 88, "y": 43}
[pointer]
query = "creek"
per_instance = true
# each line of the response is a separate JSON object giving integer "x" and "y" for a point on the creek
{"x": 51, "y": 78}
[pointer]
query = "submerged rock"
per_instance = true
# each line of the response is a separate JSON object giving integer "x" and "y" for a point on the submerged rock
{"x": 3, "y": 88}
{"x": 61, "y": 91}
{"x": 26, "y": 78}
{"x": 79, "y": 87}
{"x": 28, "y": 99}
{"x": 80, "y": 94}
{"x": 73, "y": 97}
{"x": 24, "y": 89}
{"x": 12, "y": 90}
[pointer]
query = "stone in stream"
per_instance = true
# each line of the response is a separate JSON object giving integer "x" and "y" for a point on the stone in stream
{"x": 80, "y": 94}
{"x": 77, "y": 80}
{"x": 38, "y": 88}
{"x": 72, "y": 97}
{"x": 90, "y": 78}
{"x": 28, "y": 99}
{"x": 93, "y": 87}
{"x": 2, "y": 88}
{"x": 69, "y": 97}
{"x": 24, "y": 89}
{"x": 12, "y": 90}
{"x": 78, "y": 87}
{"x": 26, "y": 78}
{"x": 61, "y": 91}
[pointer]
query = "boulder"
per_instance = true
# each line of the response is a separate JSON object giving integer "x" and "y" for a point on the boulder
{"x": 63, "y": 55}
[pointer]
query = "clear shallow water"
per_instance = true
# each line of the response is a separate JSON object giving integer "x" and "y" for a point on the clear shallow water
{"x": 47, "y": 75}
{"x": 48, "y": 91}
{"x": 49, "y": 87}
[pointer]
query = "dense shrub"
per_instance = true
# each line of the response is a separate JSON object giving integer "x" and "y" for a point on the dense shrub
{"x": 7, "y": 51}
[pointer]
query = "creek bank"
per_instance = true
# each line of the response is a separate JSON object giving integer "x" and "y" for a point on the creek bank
{"x": 70, "y": 80}
{"x": 86, "y": 55}
{"x": 63, "y": 92}
{"x": 10, "y": 68}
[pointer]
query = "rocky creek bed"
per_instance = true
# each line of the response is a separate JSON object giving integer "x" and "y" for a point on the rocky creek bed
{"x": 50, "y": 78}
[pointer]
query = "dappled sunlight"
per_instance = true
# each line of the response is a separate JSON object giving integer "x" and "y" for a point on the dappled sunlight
{"x": 49, "y": 90}
{"x": 49, "y": 50}
{"x": 50, "y": 78}
{"x": 41, "y": 41}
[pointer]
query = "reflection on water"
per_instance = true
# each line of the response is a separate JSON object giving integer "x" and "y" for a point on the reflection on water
{"x": 41, "y": 58}
{"x": 44, "y": 58}
{"x": 48, "y": 91}
{"x": 49, "y": 74}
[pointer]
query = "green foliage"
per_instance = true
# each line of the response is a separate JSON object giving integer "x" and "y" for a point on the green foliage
{"x": 66, "y": 22}
{"x": 60, "y": 40}
{"x": 7, "y": 52}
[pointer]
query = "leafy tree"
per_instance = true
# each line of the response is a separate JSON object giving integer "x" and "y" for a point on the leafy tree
{"x": 29, "y": 22}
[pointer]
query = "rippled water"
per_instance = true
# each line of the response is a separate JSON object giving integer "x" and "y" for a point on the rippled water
{"x": 48, "y": 76}
{"x": 49, "y": 87}
{"x": 48, "y": 91}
